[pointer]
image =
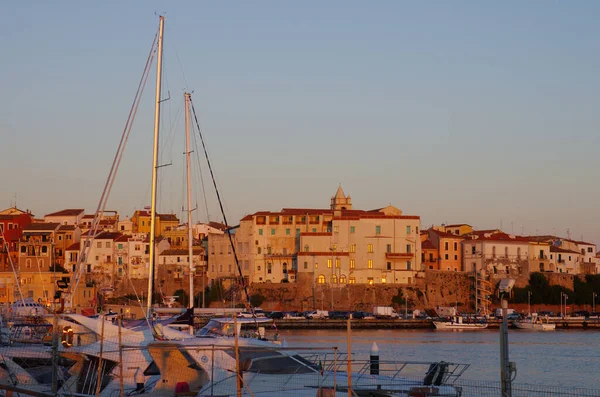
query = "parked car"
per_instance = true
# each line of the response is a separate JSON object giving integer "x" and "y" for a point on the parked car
{"x": 358, "y": 315}
{"x": 317, "y": 314}
{"x": 581, "y": 313}
{"x": 276, "y": 315}
{"x": 339, "y": 315}
{"x": 258, "y": 313}
{"x": 513, "y": 316}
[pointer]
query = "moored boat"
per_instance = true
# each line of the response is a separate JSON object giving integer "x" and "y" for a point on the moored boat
{"x": 457, "y": 322}
{"x": 534, "y": 323}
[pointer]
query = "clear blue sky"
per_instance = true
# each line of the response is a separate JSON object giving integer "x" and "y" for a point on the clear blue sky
{"x": 476, "y": 112}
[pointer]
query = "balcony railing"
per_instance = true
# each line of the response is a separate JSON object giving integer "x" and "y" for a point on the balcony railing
{"x": 399, "y": 255}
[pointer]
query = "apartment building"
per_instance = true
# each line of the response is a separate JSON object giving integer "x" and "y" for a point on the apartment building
{"x": 338, "y": 245}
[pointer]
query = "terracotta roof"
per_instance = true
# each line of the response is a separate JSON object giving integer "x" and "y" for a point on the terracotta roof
{"x": 108, "y": 236}
{"x": 445, "y": 234}
{"x": 428, "y": 245}
{"x": 42, "y": 226}
{"x": 142, "y": 213}
{"x": 458, "y": 224}
{"x": 500, "y": 236}
{"x": 578, "y": 242}
{"x": 217, "y": 225}
{"x": 167, "y": 217}
{"x": 64, "y": 228}
{"x": 123, "y": 237}
{"x": 67, "y": 212}
{"x": 74, "y": 247}
{"x": 88, "y": 216}
{"x": 554, "y": 248}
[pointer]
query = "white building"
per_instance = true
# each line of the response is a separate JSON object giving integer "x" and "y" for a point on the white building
{"x": 65, "y": 217}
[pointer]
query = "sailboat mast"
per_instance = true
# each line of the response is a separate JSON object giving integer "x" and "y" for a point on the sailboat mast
{"x": 188, "y": 152}
{"x": 155, "y": 165}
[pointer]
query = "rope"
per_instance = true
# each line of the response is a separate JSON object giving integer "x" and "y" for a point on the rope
{"x": 212, "y": 175}
{"x": 12, "y": 265}
{"x": 113, "y": 170}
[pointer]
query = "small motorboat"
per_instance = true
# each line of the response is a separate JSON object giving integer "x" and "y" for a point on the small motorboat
{"x": 457, "y": 322}
{"x": 534, "y": 323}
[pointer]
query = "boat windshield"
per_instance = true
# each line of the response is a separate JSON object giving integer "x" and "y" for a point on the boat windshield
{"x": 215, "y": 329}
{"x": 270, "y": 361}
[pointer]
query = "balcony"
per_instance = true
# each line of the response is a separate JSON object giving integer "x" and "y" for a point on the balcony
{"x": 279, "y": 255}
{"x": 399, "y": 255}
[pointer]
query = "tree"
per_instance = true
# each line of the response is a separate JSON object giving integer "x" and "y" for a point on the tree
{"x": 256, "y": 300}
{"x": 182, "y": 297}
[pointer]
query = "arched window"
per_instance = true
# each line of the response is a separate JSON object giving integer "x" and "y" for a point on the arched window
{"x": 285, "y": 268}
{"x": 334, "y": 279}
{"x": 321, "y": 279}
{"x": 41, "y": 263}
{"x": 342, "y": 279}
{"x": 269, "y": 268}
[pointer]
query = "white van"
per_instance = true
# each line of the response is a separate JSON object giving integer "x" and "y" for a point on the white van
{"x": 317, "y": 314}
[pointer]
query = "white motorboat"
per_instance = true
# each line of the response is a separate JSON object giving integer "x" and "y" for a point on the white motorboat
{"x": 534, "y": 323}
{"x": 457, "y": 322}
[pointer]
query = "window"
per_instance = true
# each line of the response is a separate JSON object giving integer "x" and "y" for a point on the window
{"x": 455, "y": 246}
{"x": 41, "y": 263}
{"x": 506, "y": 252}
{"x": 352, "y": 229}
{"x": 297, "y": 232}
{"x": 334, "y": 279}
{"x": 430, "y": 257}
{"x": 107, "y": 245}
{"x": 272, "y": 231}
{"x": 351, "y": 280}
{"x": 259, "y": 250}
{"x": 590, "y": 249}
{"x": 99, "y": 244}
{"x": 377, "y": 229}
{"x": 321, "y": 279}
{"x": 352, "y": 247}
{"x": 23, "y": 249}
{"x": 246, "y": 267}
{"x": 370, "y": 248}
{"x": 137, "y": 247}
{"x": 473, "y": 250}
{"x": 269, "y": 268}
{"x": 260, "y": 232}
{"x": 370, "y": 264}
{"x": 97, "y": 258}
{"x": 59, "y": 238}
{"x": 342, "y": 279}
{"x": 336, "y": 229}
{"x": 389, "y": 265}
{"x": 370, "y": 280}
{"x": 408, "y": 250}
{"x": 519, "y": 252}
{"x": 120, "y": 246}
{"x": 306, "y": 248}
{"x": 408, "y": 265}
{"x": 334, "y": 247}
{"x": 314, "y": 229}
{"x": 337, "y": 263}
{"x": 352, "y": 263}
{"x": 44, "y": 250}
{"x": 569, "y": 257}
{"x": 258, "y": 268}
{"x": 306, "y": 265}
{"x": 388, "y": 248}
{"x": 446, "y": 256}
{"x": 28, "y": 263}
{"x": 143, "y": 223}
{"x": 268, "y": 250}
{"x": 446, "y": 246}
{"x": 287, "y": 232}
{"x": 329, "y": 263}
{"x": 494, "y": 251}
{"x": 455, "y": 257}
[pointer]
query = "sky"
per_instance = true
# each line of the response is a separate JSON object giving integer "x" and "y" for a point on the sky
{"x": 476, "y": 112}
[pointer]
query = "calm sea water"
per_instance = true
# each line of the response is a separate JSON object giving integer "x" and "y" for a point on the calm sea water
{"x": 560, "y": 358}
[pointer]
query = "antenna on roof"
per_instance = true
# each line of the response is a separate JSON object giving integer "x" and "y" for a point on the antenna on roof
{"x": 569, "y": 234}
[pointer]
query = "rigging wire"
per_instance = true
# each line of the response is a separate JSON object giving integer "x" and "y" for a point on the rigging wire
{"x": 12, "y": 265}
{"x": 115, "y": 165}
{"x": 228, "y": 231}
{"x": 201, "y": 175}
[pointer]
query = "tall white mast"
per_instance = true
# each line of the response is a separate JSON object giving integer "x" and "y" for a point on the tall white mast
{"x": 188, "y": 152}
{"x": 155, "y": 164}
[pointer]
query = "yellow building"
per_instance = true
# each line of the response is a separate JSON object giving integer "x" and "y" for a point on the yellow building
{"x": 449, "y": 250}
{"x": 165, "y": 223}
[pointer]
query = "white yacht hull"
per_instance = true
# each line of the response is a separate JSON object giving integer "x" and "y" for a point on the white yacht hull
{"x": 444, "y": 325}
{"x": 534, "y": 326}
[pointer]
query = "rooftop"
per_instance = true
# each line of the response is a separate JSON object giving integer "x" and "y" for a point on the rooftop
{"x": 554, "y": 248}
{"x": 66, "y": 228}
{"x": 74, "y": 247}
{"x": 47, "y": 226}
{"x": 497, "y": 236}
{"x": 428, "y": 245}
{"x": 67, "y": 212}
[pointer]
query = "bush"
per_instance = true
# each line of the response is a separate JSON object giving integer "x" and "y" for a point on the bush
{"x": 256, "y": 300}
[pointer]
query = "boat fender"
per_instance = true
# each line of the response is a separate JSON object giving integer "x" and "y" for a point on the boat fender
{"x": 67, "y": 337}
{"x": 585, "y": 324}
{"x": 565, "y": 324}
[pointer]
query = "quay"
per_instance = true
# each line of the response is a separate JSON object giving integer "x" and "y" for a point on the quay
{"x": 565, "y": 324}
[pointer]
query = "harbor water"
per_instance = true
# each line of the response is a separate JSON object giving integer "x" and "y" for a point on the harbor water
{"x": 558, "y": 358}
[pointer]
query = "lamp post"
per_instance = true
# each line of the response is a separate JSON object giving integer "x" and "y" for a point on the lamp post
{"x": 594, "y": 296}
{"x": 529, "y": 302}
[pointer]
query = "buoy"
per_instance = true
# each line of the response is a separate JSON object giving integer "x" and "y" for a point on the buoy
{"x": 374, "y": 359}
